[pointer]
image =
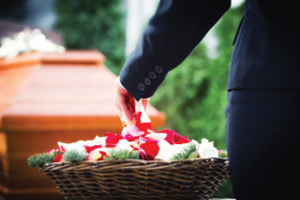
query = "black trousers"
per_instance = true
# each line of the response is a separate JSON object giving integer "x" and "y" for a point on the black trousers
{"x": 263, "y": 143}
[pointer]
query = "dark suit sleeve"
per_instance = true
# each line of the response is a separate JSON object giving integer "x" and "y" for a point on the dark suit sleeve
{"x": 172, "y": 33}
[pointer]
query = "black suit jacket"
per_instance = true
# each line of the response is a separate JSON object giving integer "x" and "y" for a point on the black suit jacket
{"x": 266, "y": 52}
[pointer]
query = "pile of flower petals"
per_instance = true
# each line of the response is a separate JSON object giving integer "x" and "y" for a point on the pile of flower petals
{"x": 140, "y": 137}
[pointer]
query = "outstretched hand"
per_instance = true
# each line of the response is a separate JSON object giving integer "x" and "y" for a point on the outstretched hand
{"x": 125, "y": 103}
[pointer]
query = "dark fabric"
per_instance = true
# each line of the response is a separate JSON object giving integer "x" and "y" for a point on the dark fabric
{"x": 263, "y": 137}
{"x": 267, "y": 46}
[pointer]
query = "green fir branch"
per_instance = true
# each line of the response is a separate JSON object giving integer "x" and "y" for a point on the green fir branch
{"x": 188, "y": 153}
{"x": 38, "y": 160}
{"x": 122, "y": 154}
{"x": 74, "y": 155}
{"x": 222, "y": 153}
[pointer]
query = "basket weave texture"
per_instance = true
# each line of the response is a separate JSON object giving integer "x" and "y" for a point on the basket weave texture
{"x": 139, "y": 179}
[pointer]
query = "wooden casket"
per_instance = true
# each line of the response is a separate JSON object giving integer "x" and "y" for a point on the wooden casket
{"x": 46, "y": 98}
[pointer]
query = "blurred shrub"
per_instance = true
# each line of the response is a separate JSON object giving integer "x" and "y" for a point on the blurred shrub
{"x": 194, "y": 95}
{"x": 93, "y": 24}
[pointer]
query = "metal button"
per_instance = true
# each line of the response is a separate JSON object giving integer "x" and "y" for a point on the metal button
{"x": 141, "y": 86}
{"x": 158, "y": 69}
{"x": 152, "y": 75}
{"x": 147, "y": 81}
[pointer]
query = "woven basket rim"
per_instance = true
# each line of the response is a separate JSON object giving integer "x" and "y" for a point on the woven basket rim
{"x": 134, "y": 161}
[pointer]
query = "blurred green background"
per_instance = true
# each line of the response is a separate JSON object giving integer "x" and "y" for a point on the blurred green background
{"x": 193, "y": 96}
{"x": 91, "y": 24}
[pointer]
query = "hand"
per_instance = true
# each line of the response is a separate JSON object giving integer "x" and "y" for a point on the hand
{"x": 124, "y": 102}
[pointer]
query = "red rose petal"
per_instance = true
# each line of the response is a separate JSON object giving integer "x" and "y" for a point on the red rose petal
{"x": 173, "y": 137}
{"x": 178, "y": 139}
{"x": 138, "y": 116}
{"x": 58, "y": 158}
{"x": 113, "y": 140}
{"x": 103, "y": 153}
{"x": 170, "y": 135}
{"x": 142, "y": 126}
{"x": 91, "y": 148}
{"x": 150, "y": 148}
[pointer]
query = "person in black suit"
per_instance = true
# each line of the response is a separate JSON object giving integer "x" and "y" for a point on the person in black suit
{"x": 263, "y": 111}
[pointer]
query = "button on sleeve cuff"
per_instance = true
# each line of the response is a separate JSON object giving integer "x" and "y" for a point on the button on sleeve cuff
{"x": 142, "y": 84}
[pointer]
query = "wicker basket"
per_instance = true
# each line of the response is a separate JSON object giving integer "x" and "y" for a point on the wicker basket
{"x": 139, "y": 179}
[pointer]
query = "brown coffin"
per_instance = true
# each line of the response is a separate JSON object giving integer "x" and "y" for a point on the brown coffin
{"x": 46, "y": 98}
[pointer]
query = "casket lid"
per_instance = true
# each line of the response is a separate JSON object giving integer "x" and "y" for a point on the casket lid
{"x": 68, "y": 91}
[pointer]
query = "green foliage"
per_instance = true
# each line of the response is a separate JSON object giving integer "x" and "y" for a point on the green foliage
{"x": 74, "y": 155}
{"x": 223, "y": 154}
{"x": 225, "y": 191}
{"x": 93, "y": 24}
{"x": 122, "y": 154}
{"x": 38, "y": 160}
{"x": 188, "y": 153}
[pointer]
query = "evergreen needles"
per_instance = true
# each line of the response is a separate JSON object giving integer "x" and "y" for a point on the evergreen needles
{"x": 38, "y": 160}
{"x": 189, "y": 152}
{"x": 122, "y": 154}
{"x": 223, "y": 154}
{"x": 74, "y": 155}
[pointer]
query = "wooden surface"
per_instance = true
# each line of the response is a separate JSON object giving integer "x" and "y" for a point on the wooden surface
{"x": 12, "y": 83}
{"x": 50, "y": 100}
{"x": 23, "y": 60}
{"x": 66, "y": 97}
{"x": 89, "y": 58}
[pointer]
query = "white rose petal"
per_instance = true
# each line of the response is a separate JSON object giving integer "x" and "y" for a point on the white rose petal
{"x": 100, "y": 140}
{"x": 178, "y": 148}
{"x": 123, "y": 145}
{"x": 79, "y": 145}
{"x": 156, "y": 136}
{"x": 207, "y": 149}
{"x": 71, "y": 146}
{"x": 165, "y": 152}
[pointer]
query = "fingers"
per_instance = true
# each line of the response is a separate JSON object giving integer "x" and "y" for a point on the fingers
{"x": 129, "y": 108}
{"x": 124, "y": 102}
{"x": 124, "y": 109}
